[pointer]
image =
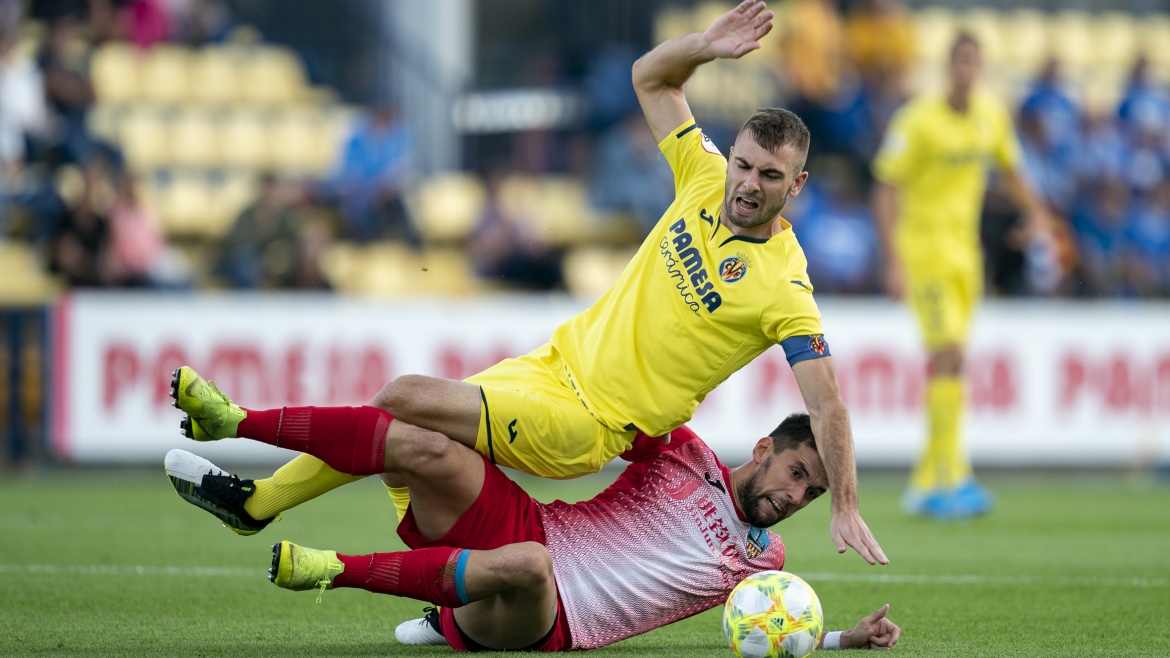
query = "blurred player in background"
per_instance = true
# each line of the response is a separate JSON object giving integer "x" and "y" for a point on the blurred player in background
{"x": 931, "y": 175}
{"x": 719, "y": 280}
{"x": 668, "y": 539}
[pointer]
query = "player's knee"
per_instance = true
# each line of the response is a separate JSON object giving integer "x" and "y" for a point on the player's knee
{"x": 399, "y": 395}
{"x": 416, "y": 450}
{"x": 530, "y": 566}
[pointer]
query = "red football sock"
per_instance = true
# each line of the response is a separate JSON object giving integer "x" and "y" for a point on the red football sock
{"x": 434, "y": 575}
{"x": 349, "y": 439}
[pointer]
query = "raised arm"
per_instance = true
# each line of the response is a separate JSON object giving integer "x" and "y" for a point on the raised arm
{"x": 659, "y": 75}
{"x": 817, "y": 380}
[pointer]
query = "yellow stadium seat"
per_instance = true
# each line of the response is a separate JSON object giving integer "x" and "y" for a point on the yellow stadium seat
{"x": 448, "y": 206}
{"x": 1155, "y": 38}
{"x": 590, "y": 271}
{"x": 336, "y": 126}
{"x": 244, "y": 139}
{"x": 114, "y": 72}
{"x": 183, "y": 205}
{"x": 272, "y": 75}
{"x": 936, "y": 30}
{"x": 1115, "y": 39}
{"x": 1025, "y": 39}
{"x": 446, "y": 272}
{"x": 293, "y": 140}
{"x": 340, "y": 264}
{"x": 213, "y": 74}
{"x": 386, "y": 268}
{"x": 144, "y": 137}
{"x": 164, "y": 74}
{"x": 672, "y": 22}
{"x": 555, "y": 208}
{"x": 104, "y": 121}
{"x": 1101, "y": 89}
{"x": 194, "y": 138}
{"x": 23, "y": 278}
{"x": 707, "y": 13}
{"x": 1070, "y": 38}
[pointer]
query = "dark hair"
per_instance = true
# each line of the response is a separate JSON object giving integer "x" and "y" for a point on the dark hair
{"x": 774, "y": 128}
{"x": 963, "y": 38}
{"x": 793, "y": 432}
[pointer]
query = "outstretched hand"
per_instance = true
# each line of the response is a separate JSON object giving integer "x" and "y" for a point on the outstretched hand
{"x": 738, "y": 32}
{"x": 848, "y": 529}
{"x": 872, "y": 632}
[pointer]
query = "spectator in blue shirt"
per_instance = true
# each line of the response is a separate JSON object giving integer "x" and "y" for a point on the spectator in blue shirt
{"x": 1145, "y": 117}
{"x": 1100, "y": 224}
{"x": 1148, "y": 237}
{"x": 375, "y": 167}
{"x": 630, "y": 175}
{"x": 1049, "y": 124}
{"x": 838, "y": 236}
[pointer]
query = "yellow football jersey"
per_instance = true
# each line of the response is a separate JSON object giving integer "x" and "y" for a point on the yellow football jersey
{"x": 938, "y": 159}
{"x": 695, "y": 304}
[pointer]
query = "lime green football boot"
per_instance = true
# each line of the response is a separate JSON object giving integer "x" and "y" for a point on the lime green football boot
{"x": 211, "y": 415}
{"x": 299, "y": 568}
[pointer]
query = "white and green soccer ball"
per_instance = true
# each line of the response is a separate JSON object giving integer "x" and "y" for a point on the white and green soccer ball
{"x": 772, "y": 614}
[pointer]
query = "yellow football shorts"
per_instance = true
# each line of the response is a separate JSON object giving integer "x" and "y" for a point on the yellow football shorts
{"x": 531, "y": 420}
{"x": 944, "y": 304}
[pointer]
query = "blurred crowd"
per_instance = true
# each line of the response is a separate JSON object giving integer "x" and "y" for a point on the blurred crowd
{"x": 71, "y": 195}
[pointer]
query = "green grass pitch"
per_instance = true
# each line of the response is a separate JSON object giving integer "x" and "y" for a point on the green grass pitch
{"x": 1070, "y": 565}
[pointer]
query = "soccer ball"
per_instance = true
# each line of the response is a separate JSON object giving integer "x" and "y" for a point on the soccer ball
{"x": 772, "y": 614}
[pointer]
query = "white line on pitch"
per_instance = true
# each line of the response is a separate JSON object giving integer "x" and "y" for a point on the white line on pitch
{"x": 900, "y": 579}
{"x": 909, "y": 579}
{"x": 132, "y": 570}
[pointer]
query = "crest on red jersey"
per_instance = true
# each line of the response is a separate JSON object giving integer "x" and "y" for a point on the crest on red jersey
{"x": 757, "y": 542}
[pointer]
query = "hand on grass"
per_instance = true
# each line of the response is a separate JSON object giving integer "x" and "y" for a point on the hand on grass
{"x": 872, "y": 632}
{"x": 738, "y": 32}
{"x": 848, "y": 529}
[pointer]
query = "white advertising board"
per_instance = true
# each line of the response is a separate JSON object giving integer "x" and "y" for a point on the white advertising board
{"x": 1049, "y": 383}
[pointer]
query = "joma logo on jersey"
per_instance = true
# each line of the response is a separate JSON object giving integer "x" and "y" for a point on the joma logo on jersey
{"x": 692, "y": 260}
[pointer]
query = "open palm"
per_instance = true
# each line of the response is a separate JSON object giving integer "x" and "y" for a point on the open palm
{"x": 738, "y": 32}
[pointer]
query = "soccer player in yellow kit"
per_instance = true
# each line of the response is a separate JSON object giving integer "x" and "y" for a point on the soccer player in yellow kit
{"x": 719, "y": 280}
{"x": 932, "y": 173}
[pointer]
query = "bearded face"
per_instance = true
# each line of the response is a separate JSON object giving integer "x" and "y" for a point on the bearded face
{"x": 759, "y": 182}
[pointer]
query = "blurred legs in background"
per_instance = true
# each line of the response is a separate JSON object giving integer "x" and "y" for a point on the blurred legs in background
{"x": 942, "y": 484}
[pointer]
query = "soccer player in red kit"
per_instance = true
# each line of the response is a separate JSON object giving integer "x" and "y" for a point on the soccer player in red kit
{"x": 669, "y": 539}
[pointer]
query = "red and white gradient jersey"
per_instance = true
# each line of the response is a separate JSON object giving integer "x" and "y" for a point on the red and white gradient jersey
{"x": 662, "y": 543}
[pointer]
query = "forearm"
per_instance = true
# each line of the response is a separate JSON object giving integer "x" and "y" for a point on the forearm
{"x": 885, "y": 213}
{"x": 671, "y": 64}
{"x": 834, "y": 437}
{"x": 1021, "y": 194}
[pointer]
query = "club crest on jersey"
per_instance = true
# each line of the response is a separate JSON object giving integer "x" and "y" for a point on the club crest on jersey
{"x": 733, "y": 269}
{"x": 757, "y": 542}
{"x": 818, "y": 344}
